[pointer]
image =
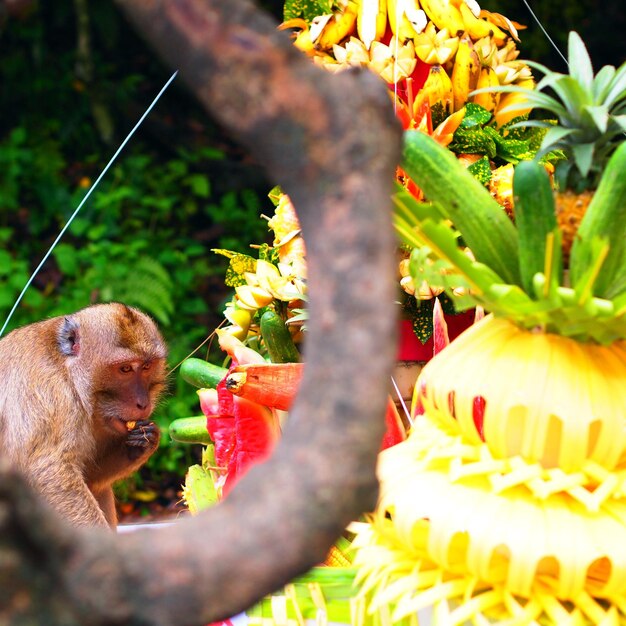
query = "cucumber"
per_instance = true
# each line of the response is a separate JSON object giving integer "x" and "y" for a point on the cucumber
{"x": 483, "y": 224}
{"x": 535, "y": 217}
{"x": 190, "y": 430}
{"x": 277, "y": 338}
{"x": 200, "y": 373}
{"x": 605, "y": 217}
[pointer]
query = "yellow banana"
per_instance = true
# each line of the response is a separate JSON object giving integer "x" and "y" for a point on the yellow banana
{"x": 478, "y": 27}
{"x": 465, "y": 72}
{"x": 461, "y": 71}
{"x": 406, "y": 19}
{"x": 444, "y": 15}
{"x": 437, "y": 90}
{"x": 488, "y": 100}
{"x": 338, "y": 27}
{"x": 501, "y": 115}
{"x": 302, "y": 40}
{"x": 371, "y": 21}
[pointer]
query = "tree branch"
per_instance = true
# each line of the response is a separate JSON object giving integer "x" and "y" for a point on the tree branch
{"x": 332, "y": 142}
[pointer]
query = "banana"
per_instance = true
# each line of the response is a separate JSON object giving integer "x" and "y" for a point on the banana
{"x": 338, "y": 27}
{"x": 488, "y": 100}
{"x": 478, "y": 27}
{"x": 444, "y": 15}
{"x": 461, "y": 75}
{"x": 436, "y": 90}
{"x": 465, "y": 72}
{"x": 501, "y": 115}
{"x": 371, "y": 21}
{"x": 406, "y": 19}
{"x": 302, "y": 40}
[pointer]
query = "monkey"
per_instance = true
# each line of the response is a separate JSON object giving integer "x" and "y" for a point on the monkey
{"x": 76, "y": 396}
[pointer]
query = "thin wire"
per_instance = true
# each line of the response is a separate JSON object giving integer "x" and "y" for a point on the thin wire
{"x": 80, "y": 206}
{"x": 545, "y": 32}
{"x": 406, "y": 411}
{"x": 395, "y": 58}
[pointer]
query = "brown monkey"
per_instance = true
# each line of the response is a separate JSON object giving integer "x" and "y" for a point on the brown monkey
{"x": 76, "y": 395}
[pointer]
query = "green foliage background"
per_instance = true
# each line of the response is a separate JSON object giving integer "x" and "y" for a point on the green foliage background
{"x": 144, "y": 237}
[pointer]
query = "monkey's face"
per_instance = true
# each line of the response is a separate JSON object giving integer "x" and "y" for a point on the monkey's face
{"x": 115, "y": 357}
{"x": 128, "y": 391}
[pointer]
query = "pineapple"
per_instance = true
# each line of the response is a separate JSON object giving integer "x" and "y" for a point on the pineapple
{"x": 590, "y": 112}
{"x": 507, "y": 502}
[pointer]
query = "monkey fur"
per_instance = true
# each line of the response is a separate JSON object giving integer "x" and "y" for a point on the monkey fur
{"x": 76, "y": 395}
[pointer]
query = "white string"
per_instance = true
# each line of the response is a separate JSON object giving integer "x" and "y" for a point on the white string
{"x": 545, "y": 32}
{"x": 395, "y": 57}
{"x": 80, "y": 206}
{"x": 404, "y": 407}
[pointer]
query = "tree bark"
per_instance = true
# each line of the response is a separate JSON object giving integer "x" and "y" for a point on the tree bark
{"x": 332, "y": 142}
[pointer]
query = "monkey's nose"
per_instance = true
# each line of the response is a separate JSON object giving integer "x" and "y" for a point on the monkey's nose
{"x": 143, "y": 410}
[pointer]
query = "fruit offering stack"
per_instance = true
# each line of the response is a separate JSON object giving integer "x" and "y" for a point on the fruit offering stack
{"x": 507, "y": 502}
{"x": 428, "y": 51}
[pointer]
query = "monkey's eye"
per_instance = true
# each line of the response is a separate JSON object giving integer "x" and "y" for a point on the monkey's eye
{"x": 147, "y": 366}
{"x": 126, "y": 369}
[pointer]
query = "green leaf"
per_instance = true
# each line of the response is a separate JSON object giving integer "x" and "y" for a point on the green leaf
{"x": 275, "y": 194}
{"x": 553, "y": 136}
{"x": 200, "y": 185}
{"x": 474, "y": 141}
{"x": 423, "y": 321}
{"x": 238, "y": 266}
{"x": 617, "y": 89}
{"x": 605, "y": 218}
{"x": 306, "y": 9}
{"x": 6, "y": 263}
{"x": 481, "y": 170}
{"x": 602, "y": 83}
{"x": 579, "y": 62}
{"x": 475, "y": 116}
{"x": 583, "y": 156}
{"x": 67, "y": 258}
{"x": 598, "y": 115}
{"x": 482, "y": 222}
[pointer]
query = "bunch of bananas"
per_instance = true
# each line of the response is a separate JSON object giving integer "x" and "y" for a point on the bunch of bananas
{"x": 434, "y": 51}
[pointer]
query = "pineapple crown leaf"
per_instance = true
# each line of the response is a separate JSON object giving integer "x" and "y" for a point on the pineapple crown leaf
{"x": 583, "y": 157}
{"x": 616, "y": 88}
{"x": 602, "y": 83}
{"x": 592, "y": 109}
{"x": 579, "y": 62}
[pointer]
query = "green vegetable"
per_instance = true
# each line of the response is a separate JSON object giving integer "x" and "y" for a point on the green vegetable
{"x": 535, "y": 219}
{"x": 200, "y": 373}
{"x": 190, "y": 430}
{"x": 605, "y": 219}
{"x": 486, "y": 228}
{"x": 277, "y": 338}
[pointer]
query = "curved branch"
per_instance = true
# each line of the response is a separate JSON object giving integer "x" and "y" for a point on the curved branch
{"x": 332, "y": 142}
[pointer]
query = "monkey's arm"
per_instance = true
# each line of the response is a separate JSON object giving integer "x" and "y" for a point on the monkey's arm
{"x": 70, "y": 496}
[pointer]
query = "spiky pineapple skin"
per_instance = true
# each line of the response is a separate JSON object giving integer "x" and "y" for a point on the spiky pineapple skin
{"x": 570, "y": 210}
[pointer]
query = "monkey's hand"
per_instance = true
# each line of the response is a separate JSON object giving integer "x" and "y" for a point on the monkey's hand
{"x": 142, "y": 440}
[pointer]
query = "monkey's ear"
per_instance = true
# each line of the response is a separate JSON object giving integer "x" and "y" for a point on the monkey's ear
{"x": 69, "y": 338}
